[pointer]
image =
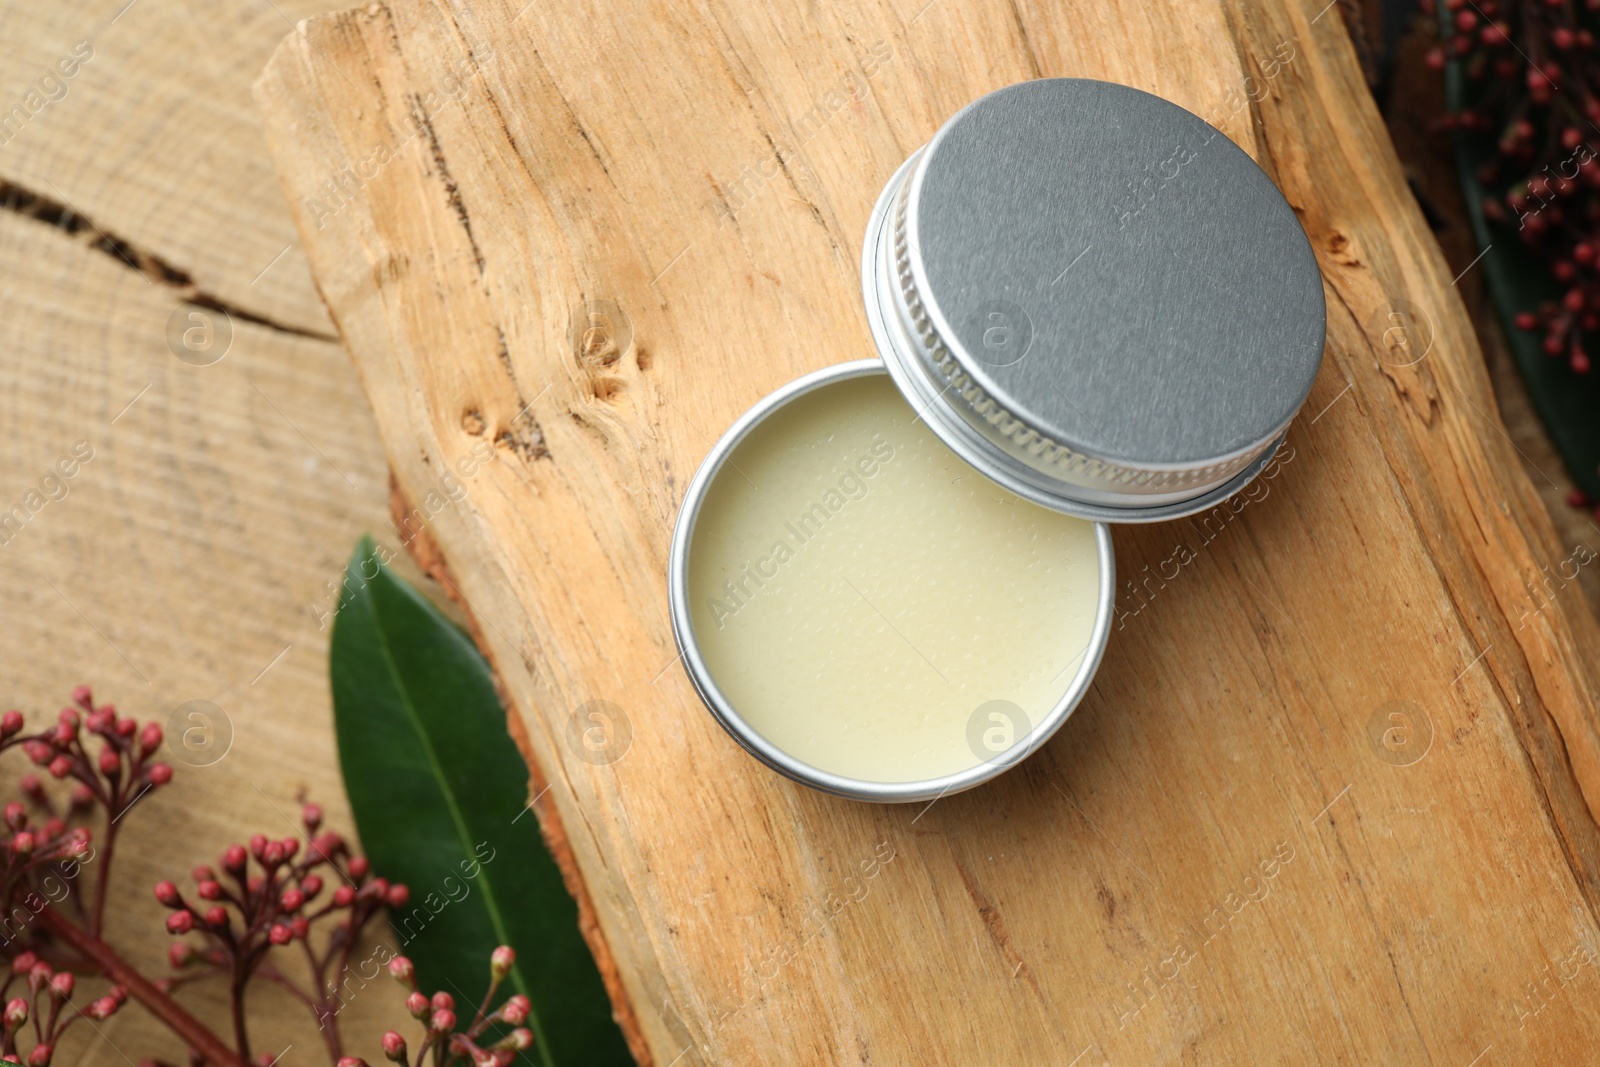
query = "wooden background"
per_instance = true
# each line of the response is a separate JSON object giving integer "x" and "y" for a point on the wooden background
{"x": 186, "y": 557}
{"x": 1430, "y": 913}
{"x": 1217, "y": 860}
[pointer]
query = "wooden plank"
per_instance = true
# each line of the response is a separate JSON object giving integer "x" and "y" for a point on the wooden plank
{"x": 1217, "y": 858}
{"x": 154, "y": 138}
{"x": 182, "y": 564}
{"x": 185, "y": 558}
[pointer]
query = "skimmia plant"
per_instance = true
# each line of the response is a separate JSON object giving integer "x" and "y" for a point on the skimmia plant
{"x": 437, "y": 1014}
{"x": 1522, "y": 82}
{"x": 1534, "y": 74}
{"x": 287, "y": 911}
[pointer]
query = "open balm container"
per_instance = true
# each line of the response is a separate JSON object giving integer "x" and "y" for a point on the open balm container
{"x": 892, "y": 579}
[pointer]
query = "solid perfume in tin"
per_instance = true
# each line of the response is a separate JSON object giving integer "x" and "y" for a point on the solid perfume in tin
{"x": 1094, "y": 308}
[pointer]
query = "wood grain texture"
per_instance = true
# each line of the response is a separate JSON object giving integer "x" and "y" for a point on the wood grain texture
{"x": 154, "y": 139}
{"x": 1215, "y": 860}
{"x": 191, "y": 550}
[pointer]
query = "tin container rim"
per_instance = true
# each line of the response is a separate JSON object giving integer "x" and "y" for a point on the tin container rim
{"x": 905, "y": 367}
{"x": 746, "y": 735}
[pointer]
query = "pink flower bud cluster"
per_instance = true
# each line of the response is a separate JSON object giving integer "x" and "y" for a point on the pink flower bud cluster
{"x": 307, "y": 892}
{"x": 273, "y": 893}
{"x": 45, "y": 999}
{"x": 1531, "y": 73}
{"x": 114, "y": 773}
{"x": 484, "y": 1043}
{"x": 29, "y": 845}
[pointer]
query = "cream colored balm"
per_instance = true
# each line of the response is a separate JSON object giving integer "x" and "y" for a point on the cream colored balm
{"x": 874, "y": 607}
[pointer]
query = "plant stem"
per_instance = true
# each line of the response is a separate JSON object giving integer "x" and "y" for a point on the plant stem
{"x": 318, "y": 1005}
{"x": 240, "y": 1037}
{"x": 193, "y": 1032}
{"x": 97, "y": 914}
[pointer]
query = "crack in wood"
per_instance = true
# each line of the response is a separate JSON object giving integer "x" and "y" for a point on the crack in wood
{"x": 30, "y": 204}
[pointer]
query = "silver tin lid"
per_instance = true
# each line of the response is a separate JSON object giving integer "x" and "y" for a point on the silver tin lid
{"x": 1096, "y": 299}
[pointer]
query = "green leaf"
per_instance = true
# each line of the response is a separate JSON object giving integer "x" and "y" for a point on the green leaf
{"x": 440, "y": 798}
{"x": 1568, "y": 403}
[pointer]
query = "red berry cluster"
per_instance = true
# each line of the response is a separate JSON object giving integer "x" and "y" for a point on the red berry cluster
{"x": 277, "y": 902}
{"x": 48, "y": 1006}
{"x": 43, "y": 856}
{"x": 115, "y": 776}
{"x": 34, "y": 846}
{"x": 1536, "y": 87}
{"x": 259, "y": 897}
{"x": 244, "y": 911}
{"x": 484, "y": 1043}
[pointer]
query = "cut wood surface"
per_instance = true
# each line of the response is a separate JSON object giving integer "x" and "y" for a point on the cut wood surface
{"x": 1333, "y": 795}
{"x": 187, "y": 560}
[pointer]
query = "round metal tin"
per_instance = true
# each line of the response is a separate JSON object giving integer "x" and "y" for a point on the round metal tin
{"x": 1095, "y": 299}
{"x": 746, "y": 735}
